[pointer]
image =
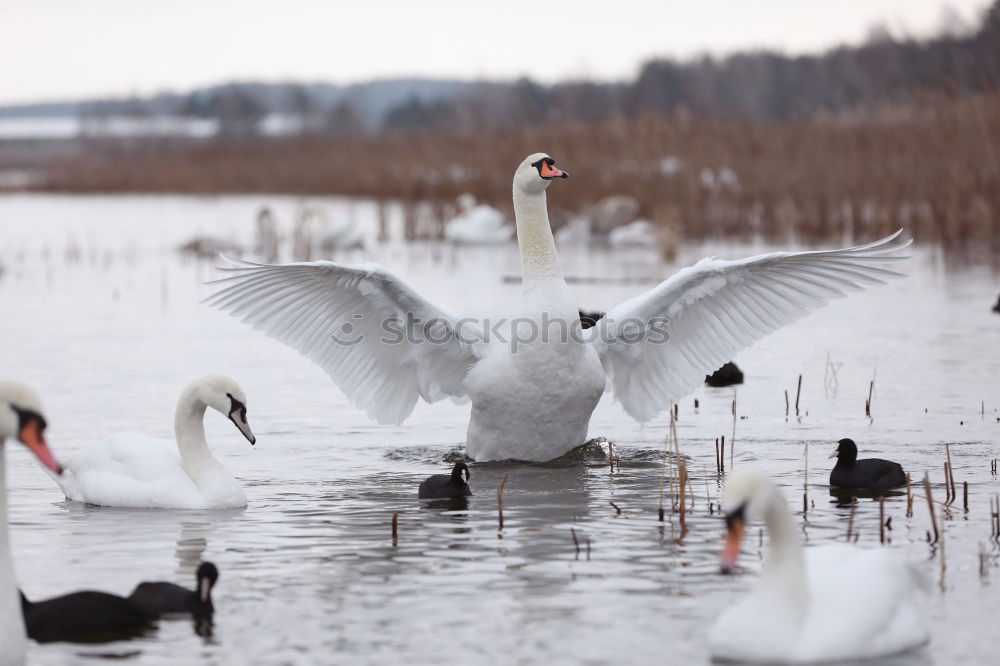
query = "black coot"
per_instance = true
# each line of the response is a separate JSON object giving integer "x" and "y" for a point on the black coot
{"x": 164, "y": 598}
{"x": 442, "y": 486}
{"x": 868, "y": 474}
{"x": 727, "y": 375}
{"x": 84, "y": 617}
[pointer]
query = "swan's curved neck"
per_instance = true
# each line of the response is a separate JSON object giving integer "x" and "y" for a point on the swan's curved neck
{"x": 189, "y": 429}
{"x": 784, "y": 567}
{"x": 11, "y": 625}
{"x": 539, "y": 261}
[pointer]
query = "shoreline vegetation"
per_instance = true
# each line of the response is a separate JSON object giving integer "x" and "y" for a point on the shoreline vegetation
{"x": 849, "y": 144}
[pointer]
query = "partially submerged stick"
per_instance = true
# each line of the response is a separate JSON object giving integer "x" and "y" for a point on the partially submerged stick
{"x": 503, "y": 482}
{"x": 850, "y": 520}
{"x": 909, "y": 497}
{"x": 732, "y": 442}
{"x": 798, "y": 392}
{"x": 930, "y": 506}
{"x": 881, "y": 519}
{"x": 395, "y": 527}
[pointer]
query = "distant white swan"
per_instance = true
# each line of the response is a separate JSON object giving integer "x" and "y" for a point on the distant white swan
{"x": 534, "y": 402}
{"x": 639, "y": 233}
{"x": 477, "y": 224}
{"x": 828, "y": 603}
{"x": 132, "y": 470}
{"x": 20, "y": 418}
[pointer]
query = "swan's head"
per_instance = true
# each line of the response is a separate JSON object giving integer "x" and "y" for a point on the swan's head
{"x": 460, "y": 473}
{"x": 226, "y": 397}
{"x": 536, "y": 172}
{"x": 21, "y": 417}
{"x": 206, "y": 576}
{"x": 846, "y": 452}
{"x": 748, "y": 496}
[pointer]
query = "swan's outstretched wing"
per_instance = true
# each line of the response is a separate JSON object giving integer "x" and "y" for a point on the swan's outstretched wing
{"x": 382, "y": 343}
{"x": 658, "y": 346}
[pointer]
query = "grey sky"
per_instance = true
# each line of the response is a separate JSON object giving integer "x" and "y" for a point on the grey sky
{"x": 56, "y": 49}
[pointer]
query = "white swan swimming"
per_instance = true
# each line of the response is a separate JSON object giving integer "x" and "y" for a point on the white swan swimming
{"x": 822, "y": 604}
{"x": 21, "y": 418}
{"x": 387, "y": 346}
{"x": 480, "y": 224}
{"x": 132, "y": 470}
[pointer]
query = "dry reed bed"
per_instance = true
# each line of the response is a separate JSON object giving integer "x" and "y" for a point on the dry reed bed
{"x": 933, "y": 167}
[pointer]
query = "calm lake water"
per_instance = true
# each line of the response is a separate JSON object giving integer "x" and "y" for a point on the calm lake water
{"x": 102, "y": 316}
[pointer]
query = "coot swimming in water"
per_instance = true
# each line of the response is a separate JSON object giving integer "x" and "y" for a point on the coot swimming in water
{"x": 163, "y": 598}
{"x": 442, "y": 486}
{"x": 868, "y": 474}
{"x": 84, "y": 617}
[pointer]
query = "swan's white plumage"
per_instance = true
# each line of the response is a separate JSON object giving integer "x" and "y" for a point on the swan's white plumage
{"x": 536, "y": 404}
{"x": 716, "y": 308}
{"x": 305, "y": 305}
{"x": 137, "y": 471}
{"x": 821, "y": 604}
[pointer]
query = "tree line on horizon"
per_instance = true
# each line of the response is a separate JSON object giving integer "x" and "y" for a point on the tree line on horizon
{"x": 759, "y": 86}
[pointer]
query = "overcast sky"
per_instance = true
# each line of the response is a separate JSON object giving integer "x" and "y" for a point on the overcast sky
{"x": 67, "y": 49}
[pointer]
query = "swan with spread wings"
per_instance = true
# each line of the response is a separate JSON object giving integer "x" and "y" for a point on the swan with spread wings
{"x": 387, "y": 347}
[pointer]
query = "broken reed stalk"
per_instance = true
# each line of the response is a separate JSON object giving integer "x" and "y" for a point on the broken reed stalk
{"x": 722, "y": 452}
{"x": 995, "y": 518}
{"x": 718, "y": 463}
{"x": 947, "y": 486}
{"x": 611, "y": 456}
{"x": 675, "y": 410}
{"x": 881, "y": 519}
{"x": 663, "y": 473}
{"x": 965, "y": 496}
{"x": 798, "y": 393}
{"x": 395, "y": 527}
{"x": 732, "y": 442}
{"x": 500, "y": 486}
{"x": 850, "y": 520}
{"x": 805, "y": 482}
{"x": 618, "y": 510}
{"x": 950, "y": 479}
{"x": 576, "y": 542}
{"x": 868, "y": 402}
{"x": 909, "y": 497}
{"x": 786, "y": 402}
{"x": 930, "y": 507}
{"x": 941, "y": 583}
{"x": 708, "y": 497}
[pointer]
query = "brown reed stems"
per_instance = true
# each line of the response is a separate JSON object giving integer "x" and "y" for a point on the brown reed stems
{"x": 909, "y": 497}
{"x": 929, "y": 166}
{"x": 617, "y": 509}
{"x": 850, "y": 520}
{"x": 930, "y": 508}
{"x": 395, "y": 528}
{"x": 868, "y": 402}
{"x": 798, "y": 392}
{"x": 500, "y": 487}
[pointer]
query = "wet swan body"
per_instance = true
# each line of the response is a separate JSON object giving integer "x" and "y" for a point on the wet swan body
{"x": 811, "y": 605}
{"x": 534, "y": 402}
{"x": 132, "y": 470}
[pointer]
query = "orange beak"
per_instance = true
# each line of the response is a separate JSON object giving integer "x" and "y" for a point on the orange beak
{"x": 549, "y": 171}
{"x": 731, "y": 551}
{"x": 31, "y": 435}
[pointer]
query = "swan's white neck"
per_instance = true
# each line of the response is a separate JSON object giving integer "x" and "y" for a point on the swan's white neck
{"x": 12, "y": 633}
{"x": 189, "y": 429}
{"x": 784, "y": 569}
{"x": 539, "y": 261}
